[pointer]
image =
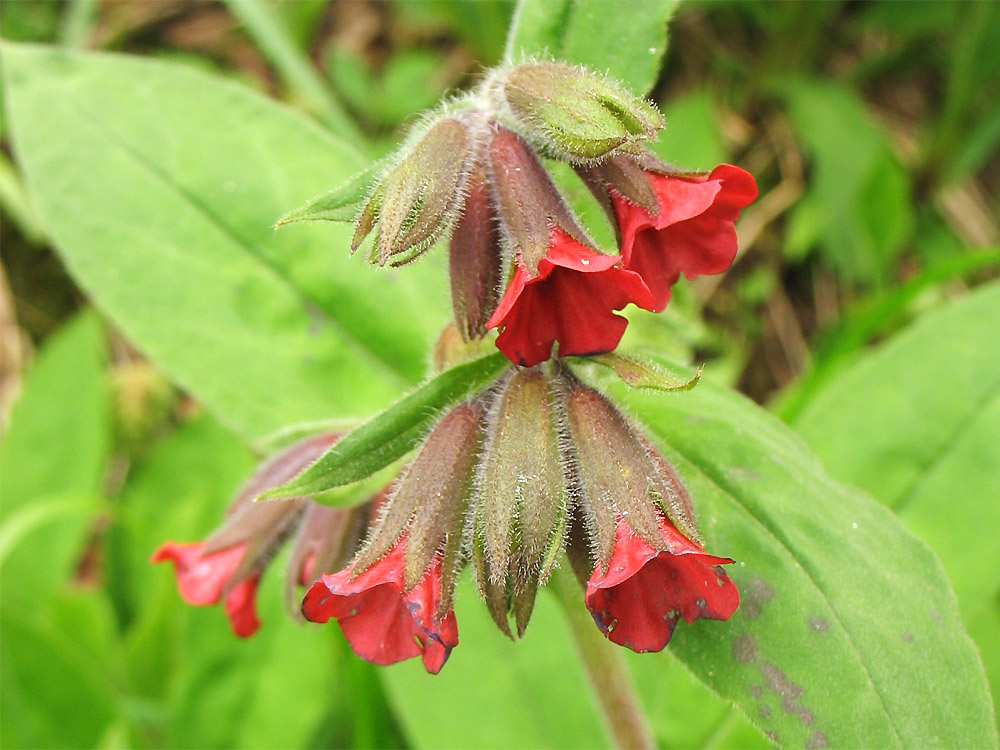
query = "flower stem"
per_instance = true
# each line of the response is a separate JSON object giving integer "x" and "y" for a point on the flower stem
{"x": 605, "y": 666}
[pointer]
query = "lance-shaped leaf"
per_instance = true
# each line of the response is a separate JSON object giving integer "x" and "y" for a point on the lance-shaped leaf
{"x": 578, "y": 114}
{"x": 343, "y": 203}
{"x": 640, "y": 373}
{"x": 848, "y": 633}
{"x": 394, "y": 432}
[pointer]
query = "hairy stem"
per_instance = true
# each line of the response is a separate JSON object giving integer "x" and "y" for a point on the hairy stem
{"x": 604, "y": 665}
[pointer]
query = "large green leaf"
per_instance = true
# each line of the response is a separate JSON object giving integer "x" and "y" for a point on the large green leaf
{"x": 848, "y": 633}
{"x": 593, "y": 32}
{"x": 160, "y": 186}
{"x": 916, "y": 424}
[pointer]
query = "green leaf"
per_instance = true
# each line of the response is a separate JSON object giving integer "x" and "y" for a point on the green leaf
{"x": 848, "y": 633}
{"x": 879, "y": 314}
{"x": 858, "y": 201}
{"x": 53, "y": 695}
{"x": 394, "y": 432}
{"x": 160, "y": 185}
{"x": 343, "y": 203}
{"x": 53, "y": 457}
{"x": 59, "y": 435}
{"x": 915, "y": 423}
{"x": 591, "y": 32}
{"x": 641, "y": 373}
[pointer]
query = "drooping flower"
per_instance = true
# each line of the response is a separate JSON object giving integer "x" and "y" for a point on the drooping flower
{"x": 572, "y": 300}
{"x": 644, "y": 591}
{"x": 227, "y": 566}
{"x": 382, "y": 620}
{"x": 692, "y": 232}
{"x": 393, "y": 601}
{"x": 202, "y": 578}
{"x": 648, "y": 569}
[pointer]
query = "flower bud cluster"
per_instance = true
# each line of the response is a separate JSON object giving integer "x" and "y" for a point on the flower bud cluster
{"x": 536, "y": 465}
{"x": 520, "y": 262}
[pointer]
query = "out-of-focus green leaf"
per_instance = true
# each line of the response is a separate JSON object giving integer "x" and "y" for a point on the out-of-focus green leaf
{"x": 692, "y": 138}
{"x": 594, "y": 33}
{"x": 916, "y": 424}
{"x": 880, "y": 314}
{"x": 392, "y": 433}
{"x": 59, "y": 433}
{"x": 409, "y": 82}
{"x": 53, "y": 457}
{"x": 857, "y": 199}
{"x": 268, "y": 30}
{"x": 848, "y": 633}
{"x": 53, "y": 695}
{"x": 161, "y": 185}
{"x": 482, "y": 24}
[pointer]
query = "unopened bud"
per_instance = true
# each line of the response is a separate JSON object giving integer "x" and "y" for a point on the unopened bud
{"x": 521, "y": 500}
{"x": 475, "y": 261}
{"x": 620, "y": 475}
{"x": 430, "y": 501}
{"x": 527, "y": 202}
{"x": 578, "y": 114}
{"x": 419, "y": 197}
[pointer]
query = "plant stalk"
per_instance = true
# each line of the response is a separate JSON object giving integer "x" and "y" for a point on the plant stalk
{"x": 604, "y": 665}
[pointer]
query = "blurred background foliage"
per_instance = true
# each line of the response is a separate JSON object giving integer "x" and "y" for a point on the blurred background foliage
{"x": 872, "y": 129}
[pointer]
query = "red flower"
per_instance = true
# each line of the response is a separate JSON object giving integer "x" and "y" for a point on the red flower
{"x": 644, "y": 591}
{"x": 692, "y": 233}
{"x": 203, "y": 579}
{"x": 382, "y": 621}
{"x": 572, "y": 300}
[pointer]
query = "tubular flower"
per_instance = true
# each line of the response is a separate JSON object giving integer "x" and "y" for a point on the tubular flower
{"x": 393, "y": 601}
{"x": 648, "y": 570}
{"x": 201, "y": 580}
{"x": 227, "y": 566}
{"x": 691, "y": 232}
{"x": 571, "y": 300}
{"x": 382, "y": 620}
{"x": 638, "y": 600}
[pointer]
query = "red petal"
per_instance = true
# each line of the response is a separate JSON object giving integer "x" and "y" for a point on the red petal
{"x": 383, "y": 623}
{"x": 571, "y": 301}
{"x": 200, "y": 580}
{"x": 638, "y": 601}
{"x": 693, "y": 232}
{"x": 240, "y": 607}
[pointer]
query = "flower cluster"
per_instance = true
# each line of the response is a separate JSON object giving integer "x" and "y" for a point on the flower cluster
{"x": 535, "y": 467}
{"x": 536, "y": 464}
{"x": 519, "y": 260}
